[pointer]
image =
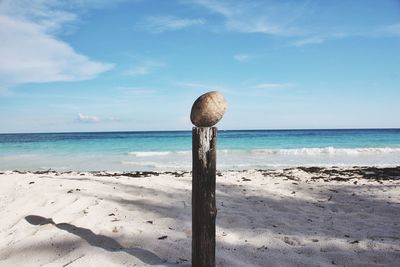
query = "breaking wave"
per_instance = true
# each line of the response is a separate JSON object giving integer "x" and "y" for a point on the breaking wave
{"x": 327, "y": 151}
{"x": 143, "y": 154}
{"x": 287, "y": 151}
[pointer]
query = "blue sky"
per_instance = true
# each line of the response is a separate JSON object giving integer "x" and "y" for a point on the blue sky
{"x": 87, "y": 65}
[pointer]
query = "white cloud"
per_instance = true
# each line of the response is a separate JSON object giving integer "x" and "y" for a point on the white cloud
{"x": 138, "y": 71}
{"x": 30, "y": 55}
{"x": 193, "y": 85}
{"x": 204, "y": 87}
{"x": 52, "y": 14}
{"x": 87, "y": 118}
{"x": 310, "y": 40}
{"x": 242, "y": 57}
{"x": 158, "y": 24}
{"x": 223, "y": 8}
{"x": 136, "y": 91}
{"x": 49, "y": 14}
{"x": 82, "y": 118}
{"x": 274, "y": 18}
{"x": 144, "y": 68}
{"x": 113, "y": 119}
{"x": 376, "y": 32}
{"x": 273, "y": 85}
{"x": 393, "y": 29}
{"x": 200, "y": 86}
{"x": 30, "y": 52}
{"x": 321, "y": 38}
{"x": 283, "y": 18}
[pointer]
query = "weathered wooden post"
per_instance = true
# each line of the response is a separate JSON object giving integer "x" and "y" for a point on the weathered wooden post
{"x": 207, "y": 110}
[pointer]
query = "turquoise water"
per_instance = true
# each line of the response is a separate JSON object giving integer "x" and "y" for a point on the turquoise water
{"x": 126, "y": 151}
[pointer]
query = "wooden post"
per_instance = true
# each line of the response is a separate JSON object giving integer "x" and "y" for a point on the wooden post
{"x": 204, "y": 211}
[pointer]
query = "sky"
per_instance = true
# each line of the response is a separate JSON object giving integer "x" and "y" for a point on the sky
{"x": 138, "y": 65}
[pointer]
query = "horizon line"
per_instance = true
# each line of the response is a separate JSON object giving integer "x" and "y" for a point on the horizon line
{"x": 244, "y": 130}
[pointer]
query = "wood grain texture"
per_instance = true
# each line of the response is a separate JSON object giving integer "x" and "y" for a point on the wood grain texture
{"x": 204, "y": 211}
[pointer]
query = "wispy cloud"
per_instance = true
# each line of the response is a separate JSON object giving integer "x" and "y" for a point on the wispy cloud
{"x": 242, "y": 57}
{"x": 193, "y": 85}
{"x": 30, "y": 51}
{"x": 136, "y": 91}
{"x": 202, "y": 86}
{"x": 273, "y": 85}
{"x": 144, "y": 68}
{"x": 392, "y": 29}
{"x": 242, "y": 89}
{"x": 82, "y": 118}
{"x": 274, "y": 18}
{"x": 310, "y": 40}
{"x": 283, "y": 19}
{"x": 159, "y": 24}
{"x": 49, "y": 15}
{"x": 113, "y": 119}
{"x": 53, "y": 15}
{"x": 87, "y": 119}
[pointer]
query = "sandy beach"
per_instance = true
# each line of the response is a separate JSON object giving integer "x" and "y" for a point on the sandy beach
{"x": 265, "y": 131}
{"x": 291, "y": 217}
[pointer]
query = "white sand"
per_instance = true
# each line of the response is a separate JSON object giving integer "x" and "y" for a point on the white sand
{"x": 268, "y": 221}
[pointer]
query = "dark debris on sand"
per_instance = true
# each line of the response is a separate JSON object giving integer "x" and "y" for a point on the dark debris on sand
{"x": 133, "y": 174}
{"x": 372, "y": 173}
{"x": 325, "y": 173}
{"x": 141, "y": 174}
{"x": 339, "y": 174}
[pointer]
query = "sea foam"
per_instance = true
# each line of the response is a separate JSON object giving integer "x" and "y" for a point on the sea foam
{"x": 327, "y": 151}
{"x": 287, "y": 151}
{"x": 156, "y": 153}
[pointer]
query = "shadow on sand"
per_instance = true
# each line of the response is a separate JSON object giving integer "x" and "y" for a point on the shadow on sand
{"x": 336, "y": 217}
{"x": 101, "y": 241}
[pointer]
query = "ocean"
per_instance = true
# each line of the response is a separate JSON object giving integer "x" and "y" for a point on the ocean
{"x": 171, "y": 150}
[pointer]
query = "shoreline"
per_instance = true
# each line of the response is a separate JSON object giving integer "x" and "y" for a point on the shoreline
{"x": 304, "y": 216}
{"x": 353, "y": 172}
{"x": 222, "y": 130}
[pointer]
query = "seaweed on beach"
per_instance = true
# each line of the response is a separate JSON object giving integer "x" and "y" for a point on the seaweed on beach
{"x": 20, "y": 172}
{"x": 311, "y": 169}
{"x": 381, "y": 173}
{"x": 140, "y": 174}
{"x": 371, "y": 173}
{"x": 49, "y": 171}
{"x": 132, "y": 174}
{"x": 326, "y": 174}
{"x": 337, "y": 174}
{"x": 136, "y": 174}
{"x": 177, "y": 174}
